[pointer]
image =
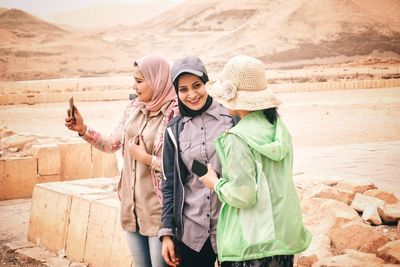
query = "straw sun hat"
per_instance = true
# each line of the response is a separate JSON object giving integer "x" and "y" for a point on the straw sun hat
{"x": 243, "y": 86}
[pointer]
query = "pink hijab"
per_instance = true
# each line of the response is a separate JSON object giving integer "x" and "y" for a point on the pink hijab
{"x": 157, "y": 73}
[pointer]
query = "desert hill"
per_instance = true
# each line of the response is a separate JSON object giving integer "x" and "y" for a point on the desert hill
{"x": 283, "y": 33}
{"x": 31, "y": 48}
{"x": 276, "y": 31}
{"x": 22, "y": 23}
{"x": 109, "y": 14}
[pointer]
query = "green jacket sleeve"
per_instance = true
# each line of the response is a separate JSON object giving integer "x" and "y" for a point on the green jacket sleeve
{"x": 237, "y": 186}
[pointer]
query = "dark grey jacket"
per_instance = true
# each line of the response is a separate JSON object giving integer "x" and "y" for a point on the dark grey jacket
{"x": 172, "y": 187}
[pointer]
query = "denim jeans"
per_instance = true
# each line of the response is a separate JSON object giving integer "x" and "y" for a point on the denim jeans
{"x": 145, "y": 250}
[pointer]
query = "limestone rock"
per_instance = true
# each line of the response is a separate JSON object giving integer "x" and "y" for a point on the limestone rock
{"x": 351, "y": 258}
{"x": 48, "y": 158}
{"x": 320, "y": 248}
{"x": 17, "y": 142}
{"x": 390, "y": 213}
{"x": 358, "y": 236}
{"x": 390, "y": 252}
{"x": 6, "y": 132}
{"x": 321, "y": 215}
{"x": 398, "y": 230}
{"x": 361, "y": 201}
{"x": 371, "y": 215}
{"x": 388, "y": 197}
{"x": 357, "y": 186}
{"x": 329, "y": 192}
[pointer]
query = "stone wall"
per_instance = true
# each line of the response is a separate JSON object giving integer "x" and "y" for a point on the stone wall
{"x": 8, "y": 98}
{"x": 50, "y": 163}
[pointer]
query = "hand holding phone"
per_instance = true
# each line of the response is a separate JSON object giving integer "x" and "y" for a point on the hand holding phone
{"x": 199, "y": 168}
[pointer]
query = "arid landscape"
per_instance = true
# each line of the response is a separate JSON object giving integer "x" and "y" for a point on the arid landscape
{"x": 284, "y": 34}
{"x": 334, "y": 63}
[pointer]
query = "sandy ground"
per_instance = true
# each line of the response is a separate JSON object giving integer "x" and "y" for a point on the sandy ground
{"x": 314, "y": 118}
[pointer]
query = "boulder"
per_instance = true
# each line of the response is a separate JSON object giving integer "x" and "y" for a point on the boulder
{"x": 351, "y": 258}
{"x": 320, "y": 248}
{"x": 6, "y": 132}
{"x": 321, "y": 215}
{"x": 388, "y": 197}
{"x": 371, "y": 215}
{"x": 329, "y": 192}
{"x": 361, "y": 201}
{"x": 356, "y": 185}
{"x": 390, "y": 213}
{"x": 390, "y": 252}
{"x": 358, "y": 236}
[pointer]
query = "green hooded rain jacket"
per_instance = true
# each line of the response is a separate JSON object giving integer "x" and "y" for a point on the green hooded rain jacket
{"x": 260, "y": 215}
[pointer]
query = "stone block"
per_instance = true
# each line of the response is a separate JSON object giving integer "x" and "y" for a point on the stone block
{"x": 398, "y": 230}
{"x": 100, "y": 232}
{"x": 18, "y": 178}
{"x": 370, "y": 215}
{"x": 386, "y": 196}
{"x": 350, "y": 258}
{"x": 356, "y": 185}
{"x": 358, "y": 236}
{"x": 10, "y": 99}
{"x": 78, "y": 222}
{"x": 321, "y": 216}
{"x": 49, "y": 217}
{"x": 104, "y": 164}
{"x": 76, "y": 162}
{"x": 390, "y": 213}
{"x": 120, "y": 254}
{"x": 49, "y": 178}
{"x": 2, "y": 180}
{"x": 320, "y": 248}
{"x": 361, "y": 201}
{"x": 3, "y": 99}
{"x": 103, "y": 183}
{"x": 48, "y": 158}
{"x": 323, "y": 191}
{"x": 390, "y": 252}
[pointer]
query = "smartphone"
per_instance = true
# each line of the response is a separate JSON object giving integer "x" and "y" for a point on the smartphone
{"x": 71, "y": 108}
{"x": 199, "y": 168}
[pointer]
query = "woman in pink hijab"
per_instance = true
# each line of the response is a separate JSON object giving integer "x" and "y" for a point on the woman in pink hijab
{"x": 139, "y": 135}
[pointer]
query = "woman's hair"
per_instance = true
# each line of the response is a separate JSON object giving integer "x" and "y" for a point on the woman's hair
{"x": 271, "y": 114}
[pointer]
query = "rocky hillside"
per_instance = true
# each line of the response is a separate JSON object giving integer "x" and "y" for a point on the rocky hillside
{"x": 283, "y": 33}
{"x": 275, "y": 31}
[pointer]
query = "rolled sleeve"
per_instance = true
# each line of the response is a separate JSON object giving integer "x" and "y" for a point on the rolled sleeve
{"x": 164, "y": 231}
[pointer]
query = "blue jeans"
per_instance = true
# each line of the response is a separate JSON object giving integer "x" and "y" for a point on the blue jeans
{"x": 145, "y": 250}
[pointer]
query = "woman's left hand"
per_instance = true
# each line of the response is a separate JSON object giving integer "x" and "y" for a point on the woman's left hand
{"x": 210, "y": 178}
{"x": 138, "y": 150}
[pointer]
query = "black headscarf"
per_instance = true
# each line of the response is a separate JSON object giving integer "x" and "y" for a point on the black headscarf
{"x": 183, "y": 109}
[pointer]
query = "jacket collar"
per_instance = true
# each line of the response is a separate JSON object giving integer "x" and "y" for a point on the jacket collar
{"x": 214, "y": 110}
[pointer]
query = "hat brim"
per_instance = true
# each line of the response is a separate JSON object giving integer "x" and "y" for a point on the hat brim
{"x": 191, "y": 71}
{"x": 244, "y": 100}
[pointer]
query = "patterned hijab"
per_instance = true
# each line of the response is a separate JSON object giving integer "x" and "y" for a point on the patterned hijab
{"x": 156, "y": 71}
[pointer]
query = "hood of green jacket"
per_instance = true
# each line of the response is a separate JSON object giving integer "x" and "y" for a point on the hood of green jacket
{"x": 271, "y": 140}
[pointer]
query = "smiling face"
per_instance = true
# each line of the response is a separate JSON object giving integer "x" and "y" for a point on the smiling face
{"x": 143, "y": 89}
{"x": 191, "y": 91}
